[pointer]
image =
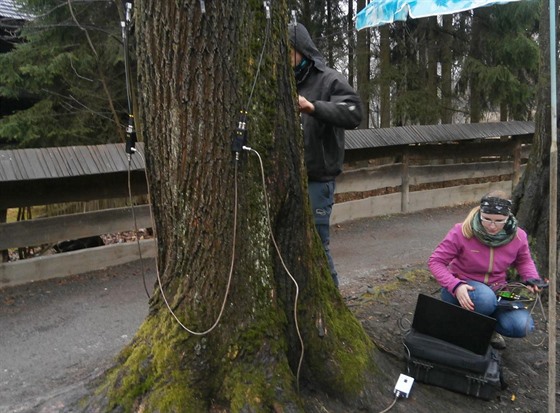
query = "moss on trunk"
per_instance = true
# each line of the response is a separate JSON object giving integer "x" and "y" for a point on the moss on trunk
{"x": 194, "y": 71}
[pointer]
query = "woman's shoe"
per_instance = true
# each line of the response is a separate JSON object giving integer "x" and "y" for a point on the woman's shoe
{"x": 497, "y": 341}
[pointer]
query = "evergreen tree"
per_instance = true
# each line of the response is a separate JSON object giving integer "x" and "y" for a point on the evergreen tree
{"x": 477, "y": 62}
{"x": 70, "y": 65}
{"x": 502, "y": 67}
{"x": 413, "y": 102}
{"x": 325, "y": 21}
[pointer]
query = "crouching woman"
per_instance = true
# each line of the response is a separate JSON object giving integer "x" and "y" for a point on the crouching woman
{"x": 470, "y": 264}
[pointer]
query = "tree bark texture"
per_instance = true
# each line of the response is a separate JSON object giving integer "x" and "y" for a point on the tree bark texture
{"x": 531, "y": 196}
{"x": 385, "y": 76}
{"x": 196, "y": 73}
{"x": 363, "y": 52}
{"x": 351, "y": 42}
{"x": 475, "y": 102}
{"x": 432, "y": 68}
{"x": 446, "y": 53}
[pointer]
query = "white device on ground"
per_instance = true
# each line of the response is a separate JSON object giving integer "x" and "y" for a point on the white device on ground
{"x": 403, "y": 386}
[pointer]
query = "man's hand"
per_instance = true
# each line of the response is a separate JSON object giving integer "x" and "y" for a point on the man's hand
{"x": 305, "y": 106}
{"x": 462, "y": 294}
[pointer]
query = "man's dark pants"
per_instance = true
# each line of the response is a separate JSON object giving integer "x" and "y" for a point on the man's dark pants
{"x": 321, "y": 195}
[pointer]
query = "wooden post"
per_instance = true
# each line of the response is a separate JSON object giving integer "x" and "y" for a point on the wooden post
{"x": 553, "y": 218}
{"x": 516, "y": 165}
{"x": 405, "y": 185}
{"x": 3, "y": 218}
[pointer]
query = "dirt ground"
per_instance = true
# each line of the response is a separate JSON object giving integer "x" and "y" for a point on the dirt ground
{"x": 56, "y": 335}
{"x": 386, "y": 312}
{"x": 381, "y": 289}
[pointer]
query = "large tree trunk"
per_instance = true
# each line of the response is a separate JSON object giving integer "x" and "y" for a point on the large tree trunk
{"x": 196, "y": 73}
{"x": 531, "y": 196}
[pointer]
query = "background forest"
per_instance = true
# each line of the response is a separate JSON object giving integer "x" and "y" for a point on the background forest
{"x": 62, "y": 73}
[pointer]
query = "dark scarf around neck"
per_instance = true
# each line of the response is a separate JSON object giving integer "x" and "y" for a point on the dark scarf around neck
{"x": 496, "y": 240}
{"x": 302, "y": 69}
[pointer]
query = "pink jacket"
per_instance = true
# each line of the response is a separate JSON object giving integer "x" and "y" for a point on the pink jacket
{"x": 458, "y": 258}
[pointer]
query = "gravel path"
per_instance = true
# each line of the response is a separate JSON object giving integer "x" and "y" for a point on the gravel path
{"x": 58, "y": 334}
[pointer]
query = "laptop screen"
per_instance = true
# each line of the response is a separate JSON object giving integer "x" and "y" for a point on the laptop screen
{"x": 453, "y": 324}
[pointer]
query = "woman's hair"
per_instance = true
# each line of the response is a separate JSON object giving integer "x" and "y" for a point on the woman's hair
{"x": 496, "y": 194}
{"x": 466, "y": 228}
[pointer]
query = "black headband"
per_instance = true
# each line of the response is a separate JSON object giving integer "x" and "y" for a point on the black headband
{"x": 494, "y": 205}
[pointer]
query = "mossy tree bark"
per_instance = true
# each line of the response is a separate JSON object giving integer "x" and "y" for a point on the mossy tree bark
{"x": 196, "y": 71}
{"x": 531, "y": 197}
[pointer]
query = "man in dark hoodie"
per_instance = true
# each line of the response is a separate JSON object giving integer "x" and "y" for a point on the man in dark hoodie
{"x": 328, "y": 106}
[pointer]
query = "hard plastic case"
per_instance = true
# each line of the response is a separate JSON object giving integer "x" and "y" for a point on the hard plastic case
{"x": 437, "y": 362}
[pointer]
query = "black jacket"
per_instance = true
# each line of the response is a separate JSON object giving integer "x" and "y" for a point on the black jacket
{"x": 337, "y": 107}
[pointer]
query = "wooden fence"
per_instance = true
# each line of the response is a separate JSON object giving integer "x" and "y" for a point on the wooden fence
{"x": 414, "y": 178}
{"x": 49, "y": 231}
{"x": 381, "y": 182}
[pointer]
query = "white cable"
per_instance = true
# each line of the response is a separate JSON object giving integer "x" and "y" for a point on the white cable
{"x": 531, "y": 308}
{"x": 232, "y": 265}
{"x": 266, "y": 36}
{"x": 391, "y": 406}
{"x": 246, "y": 148}
{"x": 199, "y": 333}
{"x": 136, "y": 228}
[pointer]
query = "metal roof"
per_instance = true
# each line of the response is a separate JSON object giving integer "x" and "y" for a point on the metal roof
{"x": 10, "y": 10}
{"x": 68, "y": 161}
{"x": 426, "y": 134}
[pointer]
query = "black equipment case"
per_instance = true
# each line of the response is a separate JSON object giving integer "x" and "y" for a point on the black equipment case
{"x": 449, "y": 347}
{"x": 437, "y": 362}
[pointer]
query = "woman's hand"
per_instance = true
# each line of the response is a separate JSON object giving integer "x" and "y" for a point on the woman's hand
{"x": 535, "y": 285}
{"x": 533, "y": 288}
{"x": 462, "y": 295}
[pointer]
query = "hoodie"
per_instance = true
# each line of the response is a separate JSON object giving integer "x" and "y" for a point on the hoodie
{"x": 337, "y": 107}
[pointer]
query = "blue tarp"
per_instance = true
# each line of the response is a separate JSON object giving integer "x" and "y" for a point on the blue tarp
{"x": 379, "y": 12}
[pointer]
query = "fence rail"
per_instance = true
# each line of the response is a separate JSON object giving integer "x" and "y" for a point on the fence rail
{"x": 72, "y": 263}
{"x": 49, "y": 231}
{"x": 375, "y": 182}
{"x": 42, "y": 231}
{"x": 365, "y": 180}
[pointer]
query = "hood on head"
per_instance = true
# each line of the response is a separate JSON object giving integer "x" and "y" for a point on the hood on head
{"x": 301, "y": 41}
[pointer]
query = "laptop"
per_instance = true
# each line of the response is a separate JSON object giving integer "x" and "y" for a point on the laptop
{"x": 454, "y": 324}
